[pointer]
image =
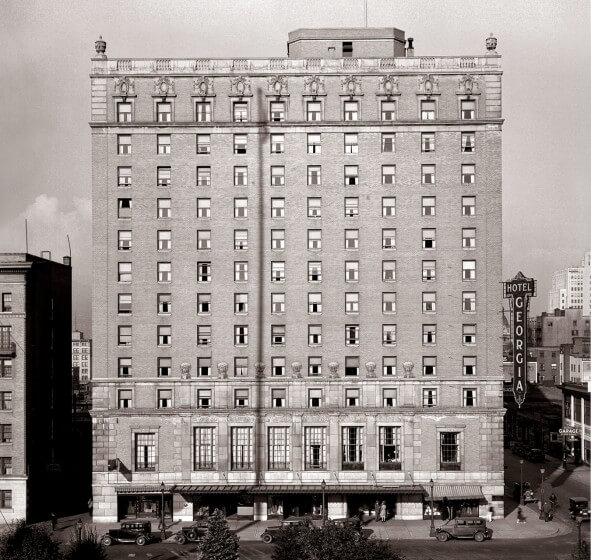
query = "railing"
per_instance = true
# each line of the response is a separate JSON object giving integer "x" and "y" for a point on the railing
{"x": 8, "y": 349}
{"x": 353, "y": 466}
{"x": 390, "y": 466}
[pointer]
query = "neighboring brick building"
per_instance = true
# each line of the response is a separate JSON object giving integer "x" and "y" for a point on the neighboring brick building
{"x": 81, "y": 358}
{"x": 576, "y": 408}
{"x": 297, "y": 268}
{"x": 35, "y": 386}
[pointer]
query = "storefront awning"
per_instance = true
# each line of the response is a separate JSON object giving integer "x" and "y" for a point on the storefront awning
{"x": 299, "y": 489}
{"x": 210, "y": 489}
{"x": 455, "y": 492}
{"x": 148, "y": 489}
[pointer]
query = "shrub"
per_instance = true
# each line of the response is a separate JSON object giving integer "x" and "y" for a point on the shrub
{"x": 219, "y": 543}
{"x": 87, "y": 547}
{"x": 25, "y": 542}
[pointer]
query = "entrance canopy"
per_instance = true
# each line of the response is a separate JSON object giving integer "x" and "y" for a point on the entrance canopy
{"x": 299, "y": 489}
{"x": 455, "y": 492}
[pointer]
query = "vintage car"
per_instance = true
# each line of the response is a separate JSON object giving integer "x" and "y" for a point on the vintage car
{"x": 578, "y": 507}
{"x": 535, "y": 455}
{"x": 193, "y": 533}
{"x": 528, "y": 494}
{"x": 138, "y": 532}
{"x": 347, "y": 522}
{"x": 464, "y": 528}
{"x": 271, "y": 532}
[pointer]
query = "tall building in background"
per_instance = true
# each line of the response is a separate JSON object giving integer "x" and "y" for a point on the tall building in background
{"x": 567, "y": 289}
{"x": 81, "y": 358}
{"x": 35, "y": 386}
{"x": 297, "y": 268}
{"x": 587, "y": 284}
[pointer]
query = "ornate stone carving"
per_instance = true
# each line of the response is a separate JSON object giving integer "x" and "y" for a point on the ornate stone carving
{"x": 407, "y": 367}
{"x": 467, "y": 85}
{"x": 388, "y": 85}
{"x": 164, "y": 86}
{"x": 185, "y": 370}
{"x": 125, "y": 86}
{"x": 259, "y": 369}
{"x": 371, "y": 369}
{"x": 240, "y": 86}
{"x": 314, "y": 85}
{"x": 351, "y": 85}
{"x": 296, "y": 368}
{"x": 223, "y": 370}
{"x": 277, "y": 85}
{"x": 203, "y": 85}
{"x": 333, "y": 368}
{"x": 100, "y": 47}
{"x": 491, "y": 44}
{"x": 428, "y": 85}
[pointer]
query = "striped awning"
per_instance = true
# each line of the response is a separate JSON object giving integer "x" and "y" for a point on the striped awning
{"x": 147, "y": 489}
{"x": 455, "y": 492}
{"x": 300, "y": 489}
{"x": 210, "y": 489}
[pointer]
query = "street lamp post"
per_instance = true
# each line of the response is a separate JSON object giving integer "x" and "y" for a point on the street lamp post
{"x": 162, "y": 526}
{"x": 520, "y": 482}
{"x": 323, "y": 486}
{"x": 432, "y": 528}
{"x": 79, "y": 529}
{"x": 542, "y": 471}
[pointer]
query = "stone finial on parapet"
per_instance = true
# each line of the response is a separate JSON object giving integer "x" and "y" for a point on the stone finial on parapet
{"x": 491, "y": 44}
{"x": 100, "y": 46}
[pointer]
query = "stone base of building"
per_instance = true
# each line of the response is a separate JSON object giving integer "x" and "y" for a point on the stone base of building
{"x": 18, "y": 486}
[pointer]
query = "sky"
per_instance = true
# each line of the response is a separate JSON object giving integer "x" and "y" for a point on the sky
{"x": 45, "y": 56}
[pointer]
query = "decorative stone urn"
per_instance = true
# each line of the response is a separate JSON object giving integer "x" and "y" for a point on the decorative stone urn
{"x": 185, "y": 370}
{"x": 100, "y": 47}
{"x": 333, "y": 367}
{"x": 371, "y": 369}
{"x": 223, "y": 370}
{"x": 407, "y": 367}
{"x": 296, "y": 369}
{"x": 491, "y": 44}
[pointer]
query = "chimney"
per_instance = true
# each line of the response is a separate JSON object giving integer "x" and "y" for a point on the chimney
{"x": 410, "y": 51}
{"x": 46, "y": 255}
{"x": 68, "y": 261}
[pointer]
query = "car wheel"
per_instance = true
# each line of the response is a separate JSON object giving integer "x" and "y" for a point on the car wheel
{"x": 141, "y": 540}
{"x": 181, "y": 539}
{"x": 267, "y": 538}
{"x": 479, "y": 536}
{"x": 192, "y": 535}
{"x": 442, "y": 536}
{"x": 107, "y": 541}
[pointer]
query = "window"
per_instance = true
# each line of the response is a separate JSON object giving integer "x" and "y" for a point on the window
{"x": 314, "y": 365}
{"x": 124, "y": 335}
{"x": 240, "y": 398}
{"x": 240, "y": 176}
{"x": 314, "y": 271}
{"x": 240, "y": 208}
{"x": 5, "y": 433}
{"x": 124, "y": 144}
{"x": 163, "y": 144}
{"x": 351, "y": 239}
{"x": 203, "y": 304}
{"x": 469, "y": 365}
{"x": 203, "y": 143}
{"x": 313, "y": 110}
{"x": 352, "y": 448}
{"x": 241, "y": 448}
{"x": 123, "y": 112}
{"x": 164, "y": 398}
{"x": 351, "y": 143}
{"x": 390, "y": 447}
{"x": 145, "y": 452}
{"x": 429, "y": 302}
{"x": 314, "y": 239}
{"x": 388, "y": 174}
{"x": 240, "y": 143}
{"x": 429, "y": 334}
{"x": 7, "y": 301}
{"x": 123, "y": 244}
{"x": 351, "y": 110}
{"x": 164, "y": 272}
{"x": 314, "y": 335}
{"x": 352, "y": 271}
{"x": 204, "y": 207}
{"x": 428, "y": 206}
{"x": 429, "y": 398}
{"x": 278, "y": 271}
{"x": 388, "y": 110}
{"x": 467, "y": 110}
{"x": 240, "y": 239}
{"x": 351, "y": 175}
{"x": 277, "y": 239}
{"x": 351, "y": 207}
{"x": 428, "y": 174}
{"x": 388, "y": 239}
{"x": 351, "y": 302}
{"x": 124, "y": 367}
{"x": 164, "y": 367}
{"x": 429, "y": 365}
{"x": 163, "y": 177}
{"x": 468, "y": 206}
{"x": 164, "y": 335}
{"x": 314, "y": 143}
{"x": 278, "y": 208}
{"x": 124, "y": 272}
{"x": 429, "y": 271}
{"x": 388, "y": 302}
{"x": 450, "y": 451}
{"x": 204, "y": 176}
{"x": 314, "y": 175}
{"x": 468, "y": 270}
{"x": 124, "y": 304}
{"x": 203, "y": 239}
{"x": 389, "y": 365}
{"x": 277, "y": 303}
{"x": 388, "y": 271}
{"x": 351, "y": 335}
{"x": 124, "y": 207}
{"x": 240, "y": 335}
{"x": 240, "y": 367}
{"x": 351, "y": 397}
{"x": 277, "y": 175}
{"x": 204, "y": 438}
{"x": 427, "y": 142}
{"x": 388, "y": 142}
{"x": 468, "y": 335}
{"x": 468, "y": 142}
{"x": 468, "y": 174}
{"x": 5, "y": 368}
{"x": 389, "y": 398}
{"x": 468, "y": 238}
{"x": 351, "y": 366}
{"x": 164, "y": 112}
{"x": 388, "y": 334}
{"x": 278, "y": 399}
{"x": 164, "y": 208}
{"x": 125, "y": 398}
{"x": 427, "y": 110}
{"x": 277, "y": 143}
{"x": 240, "y": 111}
{"x": 203, "y": 111}
{"x": 315, "y": 302}
{"x": 124, "y": 177}
{"x": 388, "y": 207}
{"x": 240, "y": 303}
{"x": 277, "y": 335}
{"x": 468, "y": 302}
{"x": 347, "y": 49}
{"x": 314, "y": 398}
{"x": 203, "y": 272}
{"x": 164, "y": 240}
{"x": 429, "y": 241}
{"x": 279, "y": 447}
{"x": 278, "y": 366}
{"x": 203, "y": 335}
{"x": 315, "y": 448}
{"x": 314, "y": 207}
{"x": 277, "y": 111}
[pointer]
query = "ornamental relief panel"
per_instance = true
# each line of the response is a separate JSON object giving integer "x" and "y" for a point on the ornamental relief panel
{"x": 164, "y": 86}
{"x": 277, "y": 85}
{"x": 388, "y": 85}
{"x": 351, "y": 85}
{"x": 203, "y": 86}
{"x": 468, "y": 85}
{"x": 124, "y": 86}
{"x": 428, "y": 85}
{"x": 240, "y": 87}
{"x": 314, "y": 85}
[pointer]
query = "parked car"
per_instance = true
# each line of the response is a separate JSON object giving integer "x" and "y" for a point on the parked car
{"x": 138, "y": 532}
{"x": 535, "y": 455}
{"x": 193, "y": 533}
{"x": 348, "y": 522}
{"x": 271, "y": 532}
{"x": 528, "y": 494}
{"x": 464, "y": 528}
{"x": 578, "y": 507}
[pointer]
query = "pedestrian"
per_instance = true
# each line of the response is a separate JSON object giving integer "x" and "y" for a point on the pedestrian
{"x": 520, "y": 516}
{"x": 53, "y": 519}
{"x": 491, "y": 513}
{"x": 89, "y": 505}
{"x": 360, "y": 513}
{"x": 377, "y": 510}
{"x": 383, "y": 511}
